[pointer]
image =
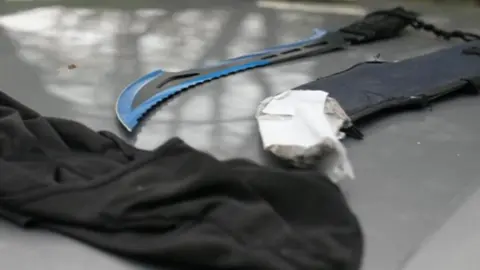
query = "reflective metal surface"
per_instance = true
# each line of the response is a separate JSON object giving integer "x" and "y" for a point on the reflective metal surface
{"x": 414, "y": 170}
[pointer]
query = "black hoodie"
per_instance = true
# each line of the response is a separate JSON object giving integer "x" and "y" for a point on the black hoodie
{"x": 174, "y": 207}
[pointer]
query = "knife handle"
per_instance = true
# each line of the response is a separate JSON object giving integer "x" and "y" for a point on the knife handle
{"x": 378, "y": 25}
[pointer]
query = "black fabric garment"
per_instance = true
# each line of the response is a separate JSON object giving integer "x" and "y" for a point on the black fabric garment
{"x": 174, "y": 207}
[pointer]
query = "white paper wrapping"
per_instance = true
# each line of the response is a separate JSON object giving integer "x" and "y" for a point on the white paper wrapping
{"x": 303, "y": 127}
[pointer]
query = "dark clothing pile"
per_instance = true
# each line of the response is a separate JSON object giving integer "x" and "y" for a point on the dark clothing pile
{"x": 174, "y": 207}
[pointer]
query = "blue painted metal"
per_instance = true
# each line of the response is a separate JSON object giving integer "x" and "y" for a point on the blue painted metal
{"x": 317, "y": 33}
{"x": 125, "y": 113}
{"x": 129, "y": 116}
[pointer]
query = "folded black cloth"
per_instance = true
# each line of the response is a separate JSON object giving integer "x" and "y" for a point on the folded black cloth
{"x": 174, "y": 207}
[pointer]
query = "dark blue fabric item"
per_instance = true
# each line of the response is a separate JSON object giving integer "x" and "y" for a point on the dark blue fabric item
{"x": 371, "y": 86}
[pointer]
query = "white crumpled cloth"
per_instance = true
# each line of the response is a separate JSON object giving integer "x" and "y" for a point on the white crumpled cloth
{"x": 303, "y": 127}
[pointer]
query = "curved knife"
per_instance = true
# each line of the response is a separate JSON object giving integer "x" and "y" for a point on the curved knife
{"x": 157, "y": 86}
